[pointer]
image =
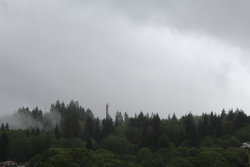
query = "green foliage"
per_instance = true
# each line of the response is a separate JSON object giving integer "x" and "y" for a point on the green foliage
{"x": 163, "y": 141}
{"x": 107, "y": 127}
{"x": 229, "y": 142}
{"x": 208, "y": 141}
{"x": 20, "y": 149}
{"x": 191, "y": 131}
{"x": 210, "y": 158}
{"x": 117, "y": 144}
{"x": 4, "y": 142}
{"x": 57, "y": 157}
{"x": 80, "y": 139}
{"x": 181, "y": 162}
{"x": 144, "y": 154}
{"x": 146, "y": 157}
{"x": 70, "y": 143}
{"x": 237, "y": 157}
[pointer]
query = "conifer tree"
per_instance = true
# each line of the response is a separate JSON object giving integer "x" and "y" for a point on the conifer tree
{"x": 4, "y": 142}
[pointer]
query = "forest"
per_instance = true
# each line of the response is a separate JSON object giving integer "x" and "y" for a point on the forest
{"x": 80, "y": 139}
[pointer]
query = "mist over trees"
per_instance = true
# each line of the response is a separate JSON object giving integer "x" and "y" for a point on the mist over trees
{"x": 70, "y": 135}
{"x": 25, "y": 118}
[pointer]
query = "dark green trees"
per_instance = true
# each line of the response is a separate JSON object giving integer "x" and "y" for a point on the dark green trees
{"x": 107, "y": 127}
{"x": 189, "y": 124}
{"x": 156, "y": 124}
{"x": 89, "y": 128}
{"x": 2, "y": 127}
{"x": 118, "y": 119}
{"x": 4, "y": 142}
{"x": 142, "y": 140}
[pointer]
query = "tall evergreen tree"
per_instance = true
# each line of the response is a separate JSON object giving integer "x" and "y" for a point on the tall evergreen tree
{"x": 107, "y": 127}
{"x": 190, "y": 128}
{"x": 126, "y": 118}
{"x": 89, "y": 128}
{"x": 7, "y": 126}
{"x": 2, "y": 127}
{"x": 174, "y": 118}
{"x": 97, "y": 134}
{"x": 118, "y": 118}
{"x": 4, "y": 142}
{"x": 156, "y": 124}
{"x": 203, "y": 127}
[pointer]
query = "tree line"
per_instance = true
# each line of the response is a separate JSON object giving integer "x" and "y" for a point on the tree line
{"x": 141, "y": 140}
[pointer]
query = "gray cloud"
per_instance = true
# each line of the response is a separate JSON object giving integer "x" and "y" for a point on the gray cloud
{"x": 226, "y": 19}
{"x": 162, "y": 56}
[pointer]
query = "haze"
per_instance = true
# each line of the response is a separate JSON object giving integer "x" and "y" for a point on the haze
{"x": 151, "y": 56}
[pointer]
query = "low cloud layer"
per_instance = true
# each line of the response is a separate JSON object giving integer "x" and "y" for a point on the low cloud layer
{"x": 149, "y": 56}
{"x": 25, "y": 120}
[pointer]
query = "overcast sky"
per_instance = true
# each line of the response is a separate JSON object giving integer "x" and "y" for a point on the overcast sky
{"x": 162, "y": 56}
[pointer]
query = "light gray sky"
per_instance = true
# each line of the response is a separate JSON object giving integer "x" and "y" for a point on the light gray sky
{"x": 160, "y": 56}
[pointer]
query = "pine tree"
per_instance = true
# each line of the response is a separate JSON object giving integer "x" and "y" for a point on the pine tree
{"x": 107, "y": 127}
{"x": 118, "y": 119}
{"x": 190, "y": 128}
{"x": 126, "y": 118}
{"x": 174, "y": 118}
{"x": 89, "y": 127}
{"x": 156, "y": 123}
{"x": 203, "y": 130}
{"x": 4, "y": 142}
{"x": 97, "y": 130}
{"x": 2, "y": 127}
{"x": 7, "y": 126}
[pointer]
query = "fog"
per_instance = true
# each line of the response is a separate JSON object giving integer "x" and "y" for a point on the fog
{"x": 24, "y": 120}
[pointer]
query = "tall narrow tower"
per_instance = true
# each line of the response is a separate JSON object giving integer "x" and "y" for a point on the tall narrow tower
{"x": 107, "y": 112}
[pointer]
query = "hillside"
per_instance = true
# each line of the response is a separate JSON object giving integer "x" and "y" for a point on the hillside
{"x": 77, "y": 138}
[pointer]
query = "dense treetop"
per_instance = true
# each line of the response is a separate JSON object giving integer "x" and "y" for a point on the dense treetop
{"x": 80, "y": 139}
